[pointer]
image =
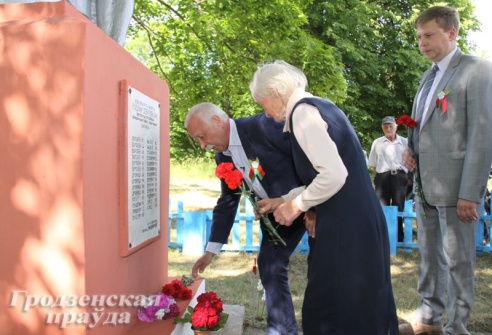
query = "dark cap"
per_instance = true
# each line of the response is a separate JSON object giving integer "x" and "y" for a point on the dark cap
{"x": 388, "y": 119}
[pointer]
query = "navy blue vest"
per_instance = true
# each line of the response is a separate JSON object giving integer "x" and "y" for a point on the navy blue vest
{"x": 349, "y": 288}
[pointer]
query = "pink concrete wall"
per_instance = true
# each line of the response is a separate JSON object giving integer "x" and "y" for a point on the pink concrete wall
{"x": 59, "y": 166}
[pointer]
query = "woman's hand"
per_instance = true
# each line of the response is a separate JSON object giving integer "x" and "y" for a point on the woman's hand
{"x": 286, "y": 213}
{"x": 268, "y": 205}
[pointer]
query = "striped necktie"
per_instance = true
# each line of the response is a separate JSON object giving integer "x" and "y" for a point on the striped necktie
{"x": 420, "y": 108}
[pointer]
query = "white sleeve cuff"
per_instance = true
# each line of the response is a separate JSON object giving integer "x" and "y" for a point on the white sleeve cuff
{"x": 300, "y": 204}
{"x": 214, "y": 247}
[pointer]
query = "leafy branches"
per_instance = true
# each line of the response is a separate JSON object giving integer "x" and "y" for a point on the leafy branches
{"x": 363, "y": 55}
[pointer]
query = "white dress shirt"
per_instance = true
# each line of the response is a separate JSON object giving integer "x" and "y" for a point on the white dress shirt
{"x": 431, "y": 97}
{"x": 241, "y": 162}
{"x": 386, "y": 155}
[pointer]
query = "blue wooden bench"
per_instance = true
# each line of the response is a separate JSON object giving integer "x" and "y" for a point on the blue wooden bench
{"x": 189, "y": 231}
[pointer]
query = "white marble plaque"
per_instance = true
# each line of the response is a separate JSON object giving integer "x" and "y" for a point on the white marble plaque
{"x": 143, "y": 168}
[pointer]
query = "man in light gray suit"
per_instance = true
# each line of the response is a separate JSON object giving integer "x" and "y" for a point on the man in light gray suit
{"x": 449, "y": 148}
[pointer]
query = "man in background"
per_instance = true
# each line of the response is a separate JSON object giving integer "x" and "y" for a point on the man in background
{"x": 390, "y": 179}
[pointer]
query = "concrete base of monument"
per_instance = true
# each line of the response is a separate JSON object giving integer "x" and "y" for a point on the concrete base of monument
{"x": 185, "y": 329}
{"x": 234, "y": 325}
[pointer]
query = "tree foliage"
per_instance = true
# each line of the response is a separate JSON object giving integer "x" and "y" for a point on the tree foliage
{"x": 379, "y": 49}
{"x": 362, "y": 55}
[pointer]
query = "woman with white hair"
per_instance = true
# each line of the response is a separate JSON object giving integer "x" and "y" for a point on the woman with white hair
{"x": 349, "y": 287}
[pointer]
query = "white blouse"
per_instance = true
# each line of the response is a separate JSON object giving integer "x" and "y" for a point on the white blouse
{"x": 311, "y": 133}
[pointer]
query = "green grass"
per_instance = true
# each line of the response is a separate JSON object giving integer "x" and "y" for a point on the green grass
{"x": 189, "y": 170}
{"x": 230, "y": 274}
{"x": 194, "y": 183}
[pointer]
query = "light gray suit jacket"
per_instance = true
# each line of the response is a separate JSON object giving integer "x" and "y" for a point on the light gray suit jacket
{"x": 455, "y": 148}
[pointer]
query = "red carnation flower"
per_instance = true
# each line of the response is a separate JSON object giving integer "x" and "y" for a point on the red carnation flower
{"x": 185, "y": 295}
{"x": 207, "y": 296}
{"x": 168, "y": 290}
{"x": 199, "y": 320}
{"x": 407, "y": 121}
{"x": 223, "y": 169}
{"x": 219, "y": 306}
{"x": 211, "y": 311}
{"x": 173, "y": 312}
{"x": 234, "y": 179}
{"x": 207, "y": 314}
{"x": 213, "y": 321}
{"x": 177, "y": 290}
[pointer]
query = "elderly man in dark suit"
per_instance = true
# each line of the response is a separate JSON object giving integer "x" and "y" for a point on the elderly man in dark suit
{"x": 449, "y": 148}
{"x": 238, "y": 141}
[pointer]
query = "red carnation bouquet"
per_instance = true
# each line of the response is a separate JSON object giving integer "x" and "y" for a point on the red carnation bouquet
{"x": 234, "y": 180}
{"x": 411, "y": 123}
{"x": 177, "y": 290}
{"x": 407, "y": 121}
{"x": 207, "y": 315}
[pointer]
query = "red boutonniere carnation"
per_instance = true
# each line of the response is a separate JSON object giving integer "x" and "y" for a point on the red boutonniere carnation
{"x": 442, "y": 101}
{"x": 207, "y": 314}
{"x": 234, "y": 179}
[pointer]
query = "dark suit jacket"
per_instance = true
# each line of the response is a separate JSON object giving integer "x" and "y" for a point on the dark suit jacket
{"x": 454, "y": 147}
{"x": 262, "y": 138}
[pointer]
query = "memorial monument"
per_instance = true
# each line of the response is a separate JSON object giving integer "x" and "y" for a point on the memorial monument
{"x": 113, "y": 17}
{"x": 84, "y": 136}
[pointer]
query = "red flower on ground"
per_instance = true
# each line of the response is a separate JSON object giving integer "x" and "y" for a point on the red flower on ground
{"x": 177, "y": 290}
{"x": 207, "y": 296}
{"x": 207, "y": 314}
{"x": 199, "y": 320}
{"x": 213, "y": 321}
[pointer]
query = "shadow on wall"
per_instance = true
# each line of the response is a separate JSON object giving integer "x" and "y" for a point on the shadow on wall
{"x": 41, "y": 200}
